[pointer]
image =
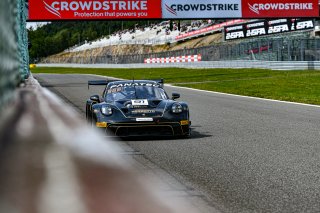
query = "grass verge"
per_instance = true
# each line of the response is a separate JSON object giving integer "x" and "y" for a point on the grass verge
{"x": 296, "y": 86}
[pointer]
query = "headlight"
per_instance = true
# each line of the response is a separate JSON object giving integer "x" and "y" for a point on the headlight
{"x": 106, "y": 110}
{"x": 176, "y": 108}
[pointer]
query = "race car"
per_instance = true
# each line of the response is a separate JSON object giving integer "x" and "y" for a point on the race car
{"x": 137, "y": 108}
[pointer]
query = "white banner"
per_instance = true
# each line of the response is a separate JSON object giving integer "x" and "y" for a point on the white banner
{"x": 193, "y": 9}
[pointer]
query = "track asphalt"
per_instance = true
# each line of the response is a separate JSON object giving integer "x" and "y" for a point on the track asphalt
{"x": 245, "y": 155}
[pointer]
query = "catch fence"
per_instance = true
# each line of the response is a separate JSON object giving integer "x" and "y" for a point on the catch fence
{"x": 14, "y": 58}
{"x": 287, "y": 47}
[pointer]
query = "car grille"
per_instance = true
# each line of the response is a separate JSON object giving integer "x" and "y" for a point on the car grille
{"x": 144, "y": 131}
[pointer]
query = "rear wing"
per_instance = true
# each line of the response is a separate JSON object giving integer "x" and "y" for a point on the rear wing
{"x": 159, "y": 81}
{"x": 99, "y": 82}
{"x": 106, "y": 82}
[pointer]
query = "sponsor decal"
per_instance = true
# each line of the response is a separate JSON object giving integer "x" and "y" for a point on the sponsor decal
{"x": 143, "y": 111}
{"x": 42, "y": 10}
{"x": 301, "y": 25}
{"x": 115, "y": 90}
{"x": 142, "y": 102}
{"x": 266, "y": 27}
{"x": 256, "y": 32}
{"x": 255, "y": 29}
{"x": 278, "y": 29}
{"x": 213, "y": 28}
{"x": 144, "y": 119}
{"x": 204, "y": 7}
{"x": 201, "y": 9}
{"x": 170, "y": 10}
{"x": 256, "y": 8}
{"x": 93, "y": 9}
{"x": 235, "y": 35}
{"x": 239, "y": 27}
{"x": 279, "y": 8}
{"x": 253, "y": 25}
{"x": 135, "y": 84}
{"x": 52, "y": 10}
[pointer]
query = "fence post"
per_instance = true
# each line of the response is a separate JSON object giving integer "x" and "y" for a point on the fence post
{"x": 289, "y": 47}
{"x": 268, "y": 48}
{"x": 302, "y": 50}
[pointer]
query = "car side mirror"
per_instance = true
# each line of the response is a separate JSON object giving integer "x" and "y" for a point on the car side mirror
{"x": 175, "y": 96}
{"x": 95, "y": 98}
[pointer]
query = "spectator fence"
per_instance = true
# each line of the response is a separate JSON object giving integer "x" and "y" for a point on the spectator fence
{"x": 288, "y": 47}
{"x": 14, "y": 61}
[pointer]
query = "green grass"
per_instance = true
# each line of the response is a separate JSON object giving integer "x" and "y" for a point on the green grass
{"x": 296, "y": 86}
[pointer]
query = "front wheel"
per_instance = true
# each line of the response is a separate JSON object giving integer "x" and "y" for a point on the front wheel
{"x": 187, "y": 134}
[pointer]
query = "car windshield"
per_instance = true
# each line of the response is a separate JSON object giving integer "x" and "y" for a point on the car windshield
{"x": 135, "y": 92}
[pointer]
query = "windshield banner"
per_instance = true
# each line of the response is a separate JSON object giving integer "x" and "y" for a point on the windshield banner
{"x": 97, "y": 9}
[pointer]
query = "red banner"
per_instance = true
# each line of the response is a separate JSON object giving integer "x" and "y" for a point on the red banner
{"x": 279, "y": 8}
{"x": 93, "y": 9}
{"x": 210, "y": 29}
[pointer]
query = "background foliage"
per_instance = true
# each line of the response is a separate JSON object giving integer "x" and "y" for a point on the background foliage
{"x": 58, "y": 36}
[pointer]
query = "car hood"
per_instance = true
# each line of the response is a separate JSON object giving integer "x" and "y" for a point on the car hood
{"x": 142, "y": 107}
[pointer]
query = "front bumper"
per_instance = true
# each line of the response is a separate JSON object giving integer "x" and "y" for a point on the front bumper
{"x": 158, "y": 128}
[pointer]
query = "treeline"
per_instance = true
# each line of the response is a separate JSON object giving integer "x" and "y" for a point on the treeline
{"x": 58, "y": 36}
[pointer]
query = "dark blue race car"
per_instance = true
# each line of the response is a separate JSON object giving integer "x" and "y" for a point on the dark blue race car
{"x": 138, "y": 108}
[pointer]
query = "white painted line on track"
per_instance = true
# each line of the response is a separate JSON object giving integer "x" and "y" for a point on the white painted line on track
{"x": 242, "y": 96}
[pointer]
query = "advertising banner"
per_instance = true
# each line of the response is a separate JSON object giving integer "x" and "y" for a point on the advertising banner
{"x": 94, "y": 9}
{"x": 279, "y": 8}
{"x": 213, "y": 28}
{"x": 194, "y": 9}
{"x": 266, "y": 27}
{"x": 46, "y": 10}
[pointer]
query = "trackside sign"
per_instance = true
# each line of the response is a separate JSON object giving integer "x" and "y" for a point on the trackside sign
{"x": 279, "y": 8}
{"x": 94, "y": 9}
{"x": 266, "y": 27}
{"x": 169, "y": 9}
{"x": 190, "y": 9}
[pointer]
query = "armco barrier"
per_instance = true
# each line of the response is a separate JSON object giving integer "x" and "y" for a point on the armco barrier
{"x": 274, "y": 65}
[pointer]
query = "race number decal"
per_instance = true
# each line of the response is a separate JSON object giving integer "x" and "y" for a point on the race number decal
{"x": 142, "y": 102}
